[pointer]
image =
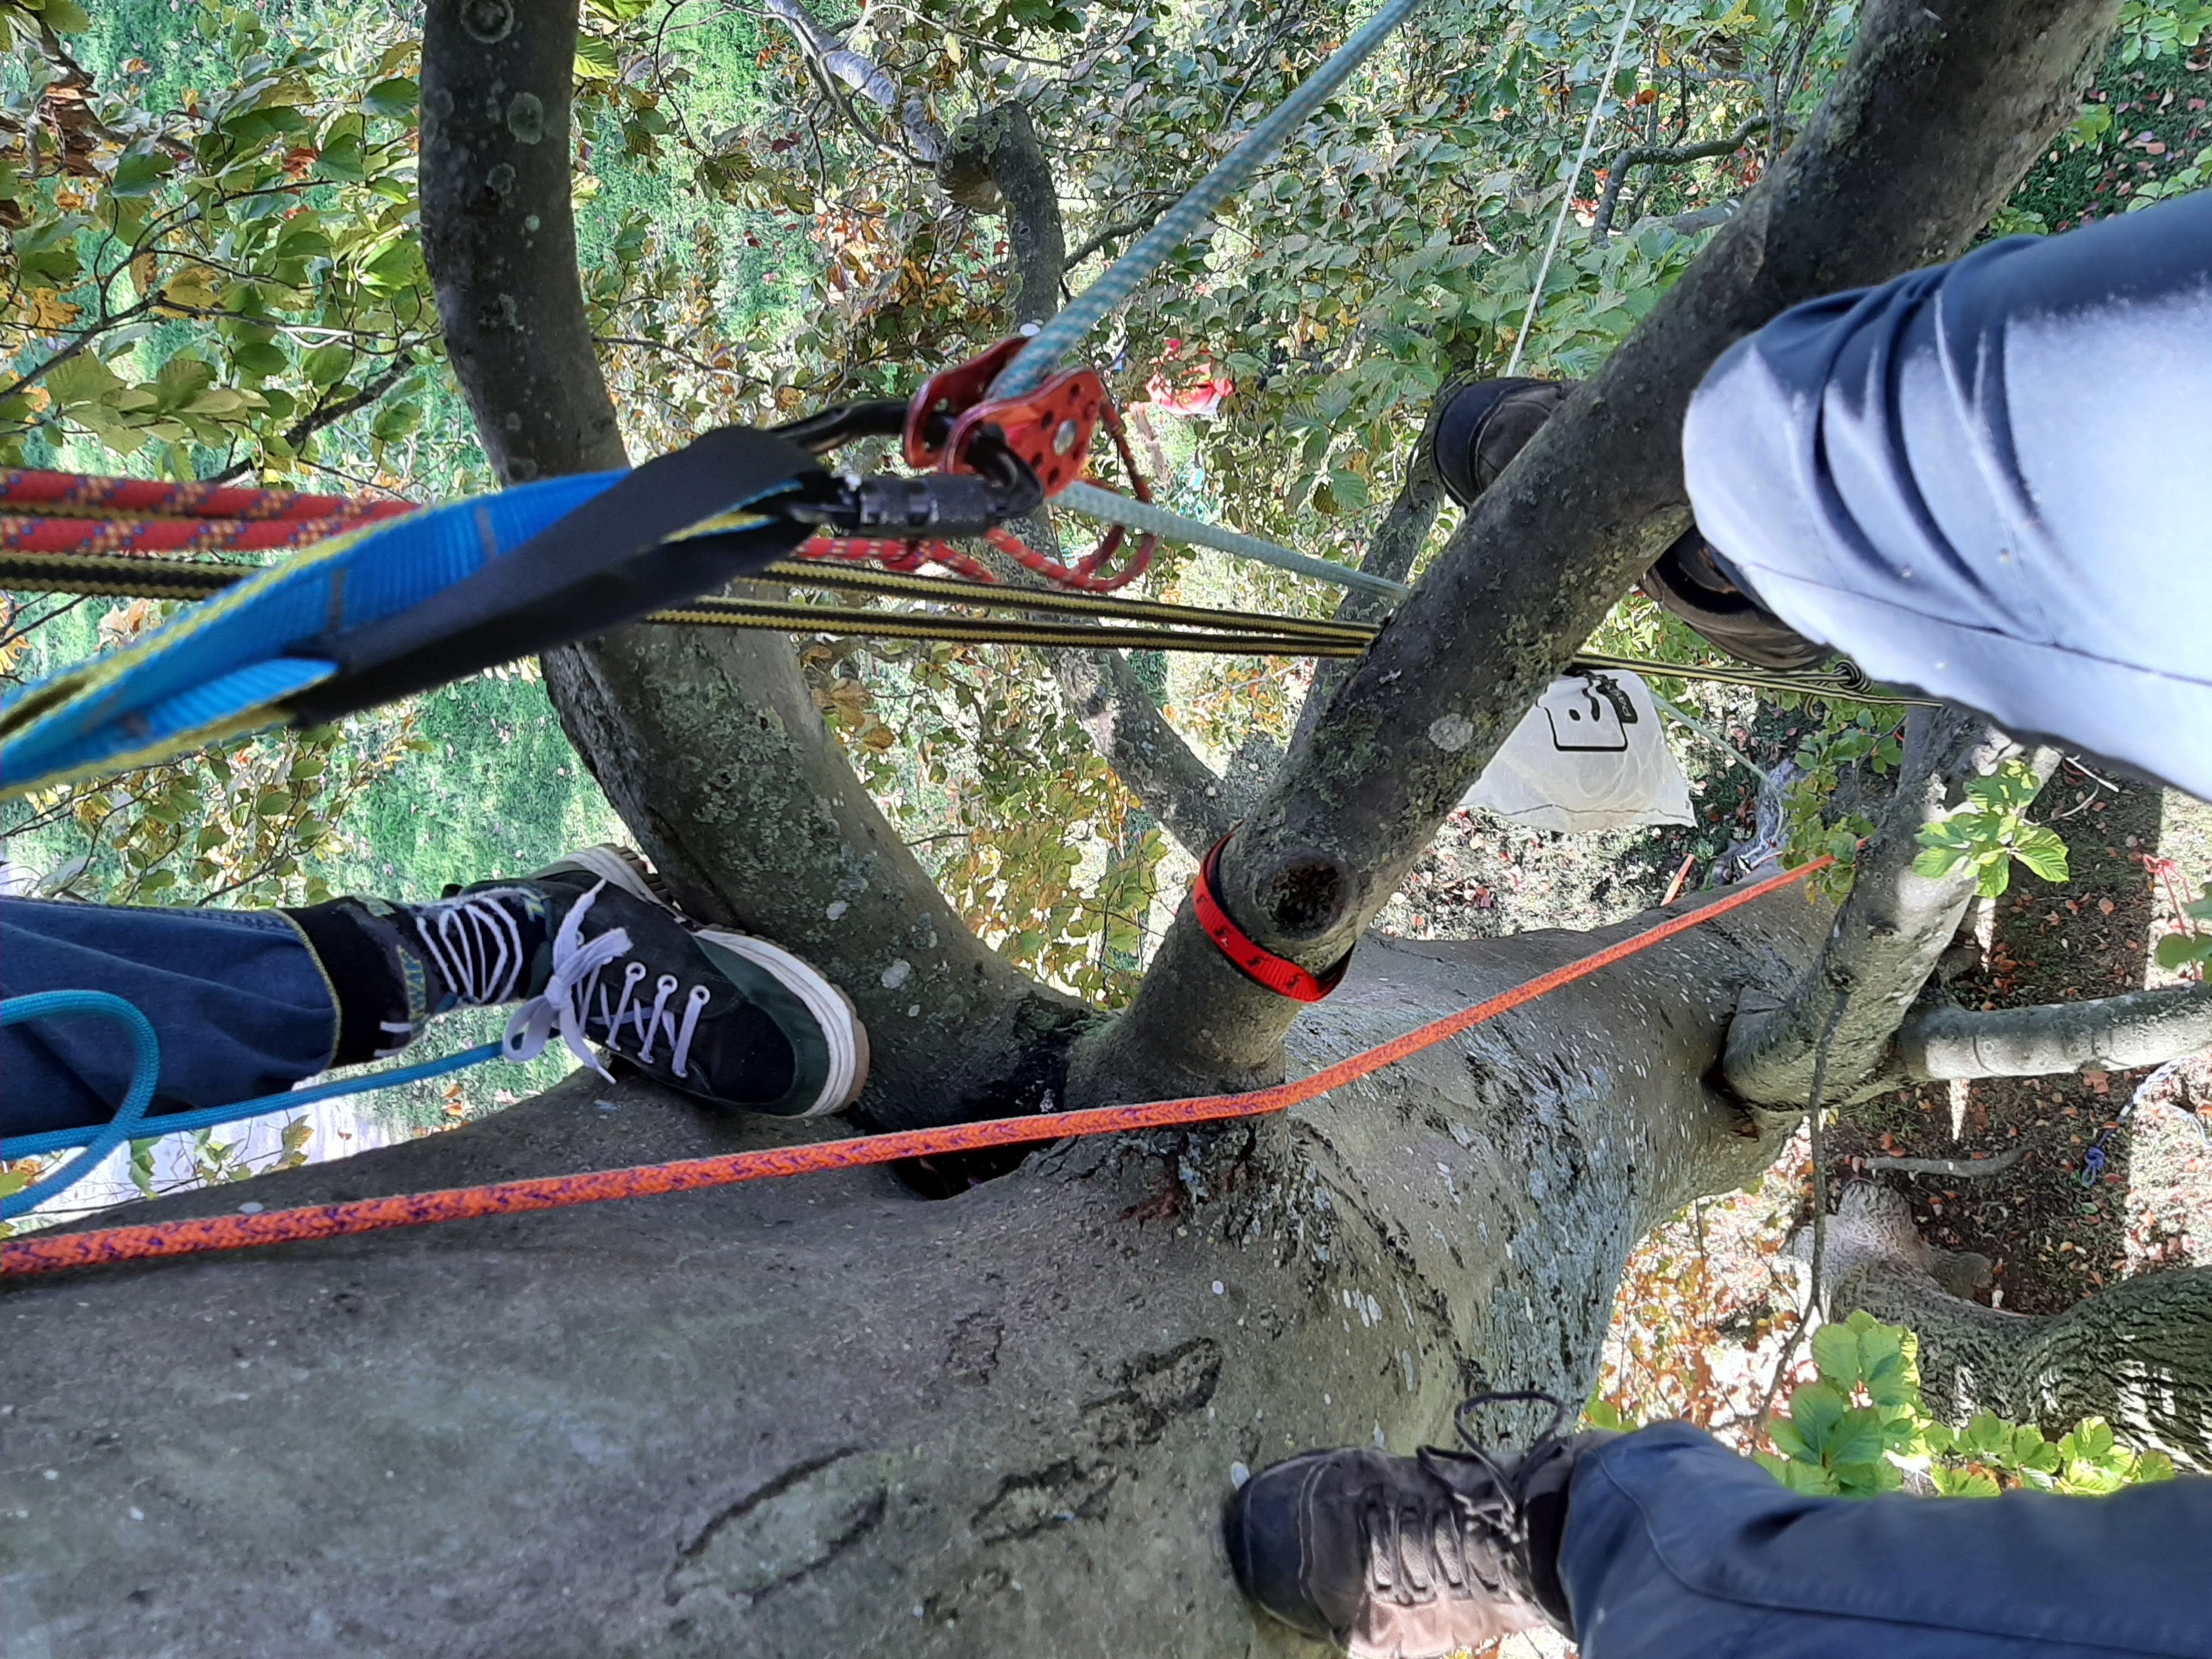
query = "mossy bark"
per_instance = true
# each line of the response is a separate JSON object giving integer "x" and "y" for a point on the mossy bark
{"x": 2137, "y": 1354}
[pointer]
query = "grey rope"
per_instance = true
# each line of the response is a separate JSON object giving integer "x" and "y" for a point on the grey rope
{"x": 1060, "y": 336}
{"x": 1144, "y": 517}
{"x": 1566, "y": 201}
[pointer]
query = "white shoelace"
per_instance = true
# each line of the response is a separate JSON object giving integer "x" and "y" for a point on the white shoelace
{"x": 567, "y": 1003}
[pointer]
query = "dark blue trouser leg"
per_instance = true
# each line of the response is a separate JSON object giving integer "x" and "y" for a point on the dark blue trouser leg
{"x": 240, "y": 1002}
{"x": 1677, "y": 1548}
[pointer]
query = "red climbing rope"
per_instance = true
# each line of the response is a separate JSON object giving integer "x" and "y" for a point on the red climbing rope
{"x": 48, "y": 1253}
{"x": 75, "y": 513}
{"x": 71, "y": 513}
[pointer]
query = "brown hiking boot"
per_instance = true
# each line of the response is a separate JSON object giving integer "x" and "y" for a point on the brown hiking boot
{"x": 1409, "y": 1557}
{"x": 1483, "y": 424}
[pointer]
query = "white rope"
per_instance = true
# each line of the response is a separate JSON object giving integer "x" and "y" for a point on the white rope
{"x": 1567, "y": 200}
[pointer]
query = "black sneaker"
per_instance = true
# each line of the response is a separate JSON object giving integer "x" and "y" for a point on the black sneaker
{"x": 1409, "y": 1557}
{"x": 601, "y": 956}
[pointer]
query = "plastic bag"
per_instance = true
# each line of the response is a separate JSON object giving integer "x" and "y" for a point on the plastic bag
{"x": 1589, "y": 756}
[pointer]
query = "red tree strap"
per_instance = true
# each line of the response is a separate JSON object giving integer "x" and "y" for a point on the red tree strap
{"x": 50, "y": 1252}
{"x": 1254, "y": 961}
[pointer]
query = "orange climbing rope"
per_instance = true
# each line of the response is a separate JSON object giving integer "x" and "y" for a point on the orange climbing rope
{"x": 49, "y": 1252}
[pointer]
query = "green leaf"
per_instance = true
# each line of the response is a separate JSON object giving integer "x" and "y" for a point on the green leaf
{"x": 1963, "y": 1483}
{"x": 1858, "y": 1437}
{"x": 1986, "y": 1435}
{"x": 326, "y": 365}
{"x": 82, "y": 380}
{"x": 1817, "y": 1410}
{"x": 12, "y": 1182}
{"x": 395, "y": 98}
{"x": 2151, "y": 1468}
{"x": 1812, "y": 1479}
{"x": 596, "y": 60}
{"x": 138, "y": 172}
{"x": 2042, "y": 851}
{"x": 2176, "y": 949}
{"x": 260, "y": 358}
{"x": 2091, "y": 1441}
{"x": 1936, "y": 862}
{"x": 1788, "y": 1442}
{"x": 1836, "y": 1354}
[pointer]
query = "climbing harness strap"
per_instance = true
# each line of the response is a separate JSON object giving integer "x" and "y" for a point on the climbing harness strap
{"x": 395, "y": 606}
{"x": 51, "y": 1252}
{"x": 1250, "y": 959}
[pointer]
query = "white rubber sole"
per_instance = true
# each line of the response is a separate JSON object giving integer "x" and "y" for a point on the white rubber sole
{"x": 833, "y": 1010}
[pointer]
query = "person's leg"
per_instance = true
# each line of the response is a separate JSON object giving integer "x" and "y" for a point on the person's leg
{"x": 1674, "y": 1547}
{"x": 1664, "y": 1545}
{"x": 247, "y": 1003}
{"x": 240, "y": 1002}
{"x": 1482, "y": 425}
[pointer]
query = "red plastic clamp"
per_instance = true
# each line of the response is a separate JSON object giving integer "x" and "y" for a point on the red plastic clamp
{"x": 1256, "y": 962}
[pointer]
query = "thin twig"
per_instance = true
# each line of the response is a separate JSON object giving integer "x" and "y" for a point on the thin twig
{"x": 1956, "y": 1167}
{"x": 1819, "y": 1206}
{"x": 325, "y": 415}
{"x": 1646, "y": 156}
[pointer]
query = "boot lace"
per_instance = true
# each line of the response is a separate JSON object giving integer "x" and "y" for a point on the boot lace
{"x": 1418, "y": 1551}
{"x": 579, "y": 1001}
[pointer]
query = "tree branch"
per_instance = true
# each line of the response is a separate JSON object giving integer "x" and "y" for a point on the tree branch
{"x": 708, "y": 745}
{"x": 325, "y": 415}
{"x": 2139, "y": 1354}
{"x": 996, "y": 164}
{"x": 2110, "y": 1033}
{"x": 1661, "y": 156}
{"x": 1952, "y": 1168}
{"x": 1146, "y": 753}
{"x": 1887, "y": 935}
{"x": 1397, "y": 542}
{"x": 1923, "y": 132}
{"x": 1114, "y": 233}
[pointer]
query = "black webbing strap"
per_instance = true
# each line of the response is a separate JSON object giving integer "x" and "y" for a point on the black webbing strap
{"x": 604, "y": 564}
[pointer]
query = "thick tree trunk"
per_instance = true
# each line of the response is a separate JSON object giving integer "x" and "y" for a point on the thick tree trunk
{"x": 823, "y": 1416}
{"x": 706, "y": 741}
{"x": 2139, "y": 1355}
{"x": 1925, "y": 130}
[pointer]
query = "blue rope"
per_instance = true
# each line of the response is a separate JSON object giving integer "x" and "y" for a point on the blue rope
{"x": 145, "y": 1070}
{"x": 1060, "y": 336}
{"x": 130, "y": 1122}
